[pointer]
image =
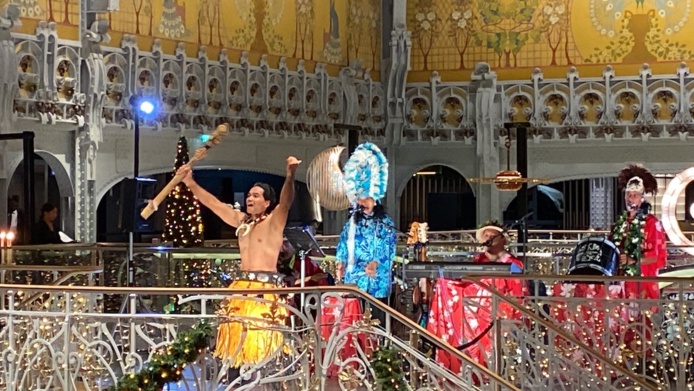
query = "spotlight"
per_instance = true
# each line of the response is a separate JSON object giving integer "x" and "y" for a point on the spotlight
{"x": 143, "y": 105}
{"x": 146, "y": 107}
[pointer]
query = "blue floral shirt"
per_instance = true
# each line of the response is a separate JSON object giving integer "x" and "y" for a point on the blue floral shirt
{"x": 374, "y": 240}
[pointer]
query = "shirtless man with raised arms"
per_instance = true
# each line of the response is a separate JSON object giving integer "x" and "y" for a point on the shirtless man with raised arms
{"x": 260, "y": 234}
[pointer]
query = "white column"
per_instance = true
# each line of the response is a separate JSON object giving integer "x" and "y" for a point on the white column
{"x": 484, "y": 87}
{"x": 601, "y": 196}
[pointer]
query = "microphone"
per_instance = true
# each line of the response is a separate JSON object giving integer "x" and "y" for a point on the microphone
{"x": 357, "y": 209}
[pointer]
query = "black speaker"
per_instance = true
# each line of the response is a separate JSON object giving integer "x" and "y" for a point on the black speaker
{"x": 134, "y": 196}
{"x": 688, "y": 201}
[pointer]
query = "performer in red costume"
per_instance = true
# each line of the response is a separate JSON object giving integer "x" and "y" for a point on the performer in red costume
{"x": 639, "y": 234}
{"x": 461, "y": 312}
{"x": 641, "y": 239}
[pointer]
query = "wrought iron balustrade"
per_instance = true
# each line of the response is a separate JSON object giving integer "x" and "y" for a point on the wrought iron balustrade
{"x": 72, "y": 344}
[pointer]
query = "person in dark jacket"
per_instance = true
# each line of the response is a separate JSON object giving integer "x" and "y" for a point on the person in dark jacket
{"x": 45, "y": 232}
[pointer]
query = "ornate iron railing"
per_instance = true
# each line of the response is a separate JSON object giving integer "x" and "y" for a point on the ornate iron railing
{"x": 68, "y": 343}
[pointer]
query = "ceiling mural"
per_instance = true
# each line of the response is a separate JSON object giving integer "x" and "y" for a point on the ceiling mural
{"x": 329, "y": 31}
{"x": 514, "y": 36}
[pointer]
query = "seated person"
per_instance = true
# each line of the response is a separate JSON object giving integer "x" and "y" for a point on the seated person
{"x": 45, "y": 232}
{"x": 461, "y": 311}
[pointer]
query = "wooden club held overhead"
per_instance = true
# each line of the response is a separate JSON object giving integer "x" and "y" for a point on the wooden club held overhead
{"x": 200, "y": 154}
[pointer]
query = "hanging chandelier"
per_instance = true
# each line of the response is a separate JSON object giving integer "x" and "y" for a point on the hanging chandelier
{"x": 508, "y": 180}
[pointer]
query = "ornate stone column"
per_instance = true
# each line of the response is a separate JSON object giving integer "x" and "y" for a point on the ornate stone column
{"x": 601, "y": 195}
{"x": 395, "y": 79}
{"x": 89, "y": 135}
{"x": 484, "y": 96}
{"x": 9, "y": 18}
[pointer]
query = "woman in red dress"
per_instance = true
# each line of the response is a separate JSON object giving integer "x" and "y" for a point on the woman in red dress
{"x": 461, "y": 312}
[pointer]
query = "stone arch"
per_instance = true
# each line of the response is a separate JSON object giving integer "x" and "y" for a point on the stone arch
{"x": 65, "y": 187}
{"x": 452, "y": 189}
{"x": 402, "y": 182}
{"x": 59, "y": 167}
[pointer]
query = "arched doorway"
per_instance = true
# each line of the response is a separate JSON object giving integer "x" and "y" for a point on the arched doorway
{"x": 440, "y": 196}
{"x": 547, "y": 204}
{"x": 52, "y": 185}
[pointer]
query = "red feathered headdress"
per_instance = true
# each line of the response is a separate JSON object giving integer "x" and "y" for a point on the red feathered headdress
{"x": 635, "y": 177}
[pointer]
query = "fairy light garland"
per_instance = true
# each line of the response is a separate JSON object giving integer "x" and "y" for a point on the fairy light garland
{"x": 388, "y": 368}
{"x": 168, "y": 363}
{"x": 184, "y": 227}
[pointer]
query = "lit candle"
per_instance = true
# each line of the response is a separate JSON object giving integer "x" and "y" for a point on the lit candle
{"x": 10, "y": 238}
{"x": 2, "y": 238}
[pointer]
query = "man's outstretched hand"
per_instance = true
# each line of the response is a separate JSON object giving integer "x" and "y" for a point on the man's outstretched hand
{"x": 292, "y": 164}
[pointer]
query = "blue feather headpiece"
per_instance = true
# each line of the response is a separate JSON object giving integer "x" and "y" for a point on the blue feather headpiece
{"x": 366, "y": 173}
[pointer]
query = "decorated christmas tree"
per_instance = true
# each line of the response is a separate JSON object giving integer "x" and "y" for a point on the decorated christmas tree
{"x": 183, "y": 219}
{"x": 388, "y": 368}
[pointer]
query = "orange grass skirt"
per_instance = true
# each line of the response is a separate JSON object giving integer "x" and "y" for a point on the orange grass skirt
{"x": 248, "y": 341}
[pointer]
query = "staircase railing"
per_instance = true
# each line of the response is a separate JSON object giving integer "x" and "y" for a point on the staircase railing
{"x": 73, "y": 345}
{"x": 538, "y": 340}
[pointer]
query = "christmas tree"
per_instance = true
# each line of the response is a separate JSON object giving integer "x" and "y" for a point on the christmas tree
{"x": 388, "y": 368}
{"x": 183, "y": 219}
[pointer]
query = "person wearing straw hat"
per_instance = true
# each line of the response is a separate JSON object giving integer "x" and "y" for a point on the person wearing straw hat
{"x": 462, "y": 313}
{"x": 367, "y": 244}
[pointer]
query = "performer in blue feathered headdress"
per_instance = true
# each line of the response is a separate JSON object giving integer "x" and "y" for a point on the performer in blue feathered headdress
{"x": 367, "y": 244}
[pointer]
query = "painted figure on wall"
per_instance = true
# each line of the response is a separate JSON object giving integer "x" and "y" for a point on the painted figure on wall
{"x": 258, "y": 44}
{"x": 638, "y": 31}
{"x": 332, "y": 50}
{"x": 173, "y": 18}
{"x": 30, "y": 9}
{"x": 258, "y": 29}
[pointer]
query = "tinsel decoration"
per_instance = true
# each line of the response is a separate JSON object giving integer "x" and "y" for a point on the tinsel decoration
{"x": 184, "y": 226}
{"x": 167, "y": 364}
{"x": 388, "y": 367}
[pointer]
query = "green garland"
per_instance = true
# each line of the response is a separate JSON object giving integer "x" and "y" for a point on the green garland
{"x": 167, "y": 365}
{"x": 633, "y": 237}
{"x": 388, "y": 367}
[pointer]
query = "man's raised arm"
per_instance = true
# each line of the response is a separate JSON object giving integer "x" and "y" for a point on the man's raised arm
{"x": 229, "y": 215}
{"x": 280, "y": 213}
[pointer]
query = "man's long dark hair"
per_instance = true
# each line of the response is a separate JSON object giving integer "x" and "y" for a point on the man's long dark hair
{"x": 268, "y": 195}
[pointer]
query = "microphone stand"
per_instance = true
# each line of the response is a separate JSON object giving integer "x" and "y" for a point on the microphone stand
{"x": 523, "y": 222}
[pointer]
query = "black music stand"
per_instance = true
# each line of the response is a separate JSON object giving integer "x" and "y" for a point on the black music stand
{"x": 303, "y": 242}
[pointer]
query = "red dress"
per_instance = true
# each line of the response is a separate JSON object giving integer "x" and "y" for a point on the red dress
{"x": 653, "y": 246}
{"x": 462, "y": 311}
{"x": 634, "y": 324}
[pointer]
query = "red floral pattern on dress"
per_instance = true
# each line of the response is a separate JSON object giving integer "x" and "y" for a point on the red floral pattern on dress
{"x": 461, "y": 311}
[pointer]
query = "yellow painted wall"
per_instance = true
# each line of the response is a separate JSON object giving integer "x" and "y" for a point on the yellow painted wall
{"x": 330, "y": 31}
{"x": 514, "y": 36}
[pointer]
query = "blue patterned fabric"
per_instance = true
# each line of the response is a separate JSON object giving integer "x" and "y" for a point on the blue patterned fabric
{"x": 374, "y": 240}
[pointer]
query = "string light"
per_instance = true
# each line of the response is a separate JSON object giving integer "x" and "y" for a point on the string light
{"x": 184, "y": 226}
{"x": 388, "y": 368}
{"x": 167, "y": 364}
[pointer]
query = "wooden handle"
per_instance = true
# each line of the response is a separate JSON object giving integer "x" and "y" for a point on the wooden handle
{"x": 200, "y": 154}
{"x": 153, "y": 205}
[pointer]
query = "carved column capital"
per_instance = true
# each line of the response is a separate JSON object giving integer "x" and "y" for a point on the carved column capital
{"x": 9, "y": 18}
